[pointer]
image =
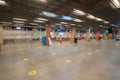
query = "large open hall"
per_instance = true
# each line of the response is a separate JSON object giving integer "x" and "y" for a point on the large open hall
{"x": 59, "y": 40}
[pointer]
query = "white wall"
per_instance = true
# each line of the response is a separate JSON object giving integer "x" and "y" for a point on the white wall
{"x": 16, "y": 34}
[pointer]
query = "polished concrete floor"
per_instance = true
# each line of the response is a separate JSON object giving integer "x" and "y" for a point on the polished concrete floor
{"x": 67, "y": 61}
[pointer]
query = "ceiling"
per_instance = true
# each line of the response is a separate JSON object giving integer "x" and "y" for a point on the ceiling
{"x": 30, "y": 9}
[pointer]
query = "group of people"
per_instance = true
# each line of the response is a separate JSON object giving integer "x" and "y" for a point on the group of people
{"x": 75, "y": 39}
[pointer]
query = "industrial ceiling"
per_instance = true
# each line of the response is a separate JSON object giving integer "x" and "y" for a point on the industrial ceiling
{"x": 31, "y": 9}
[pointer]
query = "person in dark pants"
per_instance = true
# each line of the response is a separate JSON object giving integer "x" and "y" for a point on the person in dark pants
{"x": 75, "y": 38}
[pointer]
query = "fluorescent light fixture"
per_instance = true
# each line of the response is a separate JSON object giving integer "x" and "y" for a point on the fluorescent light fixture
{"x": 112, "y": 5}
{"x": 73, "y": 24}
{"x": 78, "y": 12}
{"x": 115, "y": 3}
{"x": 57, "y": 24}
{"x": 48, "y": 14}
{"x": 67, "y": 18}
{"x": 67, "y": 25}
{"x": 79, "y": 25}
{"x": 38, "y": 21}
{"x": 114, "y": 25}
{"x": 100, "y": 25}
{"x": 33, "y": 23}
{"x": 78, "y": 20}
{"x": 90, "y": 16}
{"x": 42, "y": 19}
{"x": 19, "y": 19}
{"x": 6, "y": 22}
{"x": 98, "y": 19}
{"x": 20, "y": 22}
{"x": 64, "y": 23}
{"x": 2, "y": 2}
{"x": 117, "y": 26}
{"x": 106, "y": 22}
{"x": 3, "y": 22}
{"x": 52, "y": 25}
{"x": 43, "y": 0}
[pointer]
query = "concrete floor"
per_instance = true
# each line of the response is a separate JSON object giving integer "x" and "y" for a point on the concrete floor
{"x": 84, "y": 61}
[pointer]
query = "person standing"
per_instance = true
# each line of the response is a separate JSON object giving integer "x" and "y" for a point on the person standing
{"x": 75, "y": 38}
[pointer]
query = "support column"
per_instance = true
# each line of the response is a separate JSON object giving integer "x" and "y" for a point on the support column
{"x": 73, "y": 33}
{"x": 97, "y": 35}
{"x": 47, "y": 34}
{"x": 105, "y": 36}
{"x": 1, "y": 37}
{"x": 88, "y": 35}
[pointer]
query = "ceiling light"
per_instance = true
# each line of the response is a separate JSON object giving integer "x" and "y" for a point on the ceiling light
{"x": 80, "y": 25}
{"x": 66, "y": 18}
{"x": 90, "y": 16}
{"x": 48, "y": 14}
{"x": 77, "y": 20}
{"x": 72, "y": 24}
{"x": 67, "y": 25}
{"x": 115, "y": 3}
{"x": 38, "y": 21}
{"x": 19, "y": 19}
{"x": 52, "y": 25}
{"x": 2, "y": 2}
{"x": 33, "y": 23}
{"x": 78, "y": 12}
{"x": 42, "y": 19}
{"x": 100, "y": 25}
{"x": 106, "y": 22}
{"x": 113, "y": 25}
{"x": 6, "y": 22}
{"x": 99, "y": 19}
{"x": 57, "y": 24}
{"x": 43, "y": 0}
{"x": 20, "y": 22}
{"x": 64, "y": 23}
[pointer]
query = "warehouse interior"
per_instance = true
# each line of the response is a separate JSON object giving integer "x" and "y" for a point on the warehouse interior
{"x": 59, "y": 39}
